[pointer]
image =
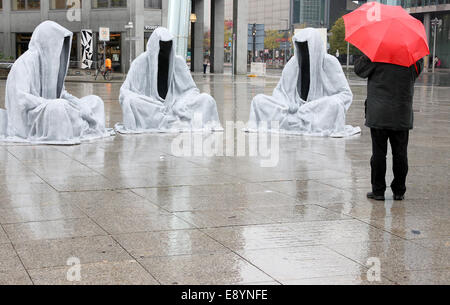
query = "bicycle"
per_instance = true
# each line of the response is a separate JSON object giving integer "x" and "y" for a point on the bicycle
{"x": 106, "y": 73}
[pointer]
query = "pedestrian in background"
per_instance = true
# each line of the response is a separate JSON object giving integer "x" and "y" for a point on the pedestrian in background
{"x": 389, "y": 115}
{"x": 205, "y": 64}
{"x": 108, "y": 65}
{"x": 437, "y": 62}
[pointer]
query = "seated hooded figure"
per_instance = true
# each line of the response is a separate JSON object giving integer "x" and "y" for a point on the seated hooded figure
{"x": 312, "y": 97}
{"x": 159, "y": 94}
{"x": 38, "y": 108}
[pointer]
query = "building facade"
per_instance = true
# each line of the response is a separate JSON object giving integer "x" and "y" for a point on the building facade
{"x": 310, "y": 13}
{"x": 426, "y": 11}
{"x": 274, "y": 14}
{"x": 286, "y": 14}
{"x": 20, "y": 17}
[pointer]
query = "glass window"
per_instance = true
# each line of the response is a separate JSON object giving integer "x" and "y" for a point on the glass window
{"x": 65, "y": 4}
{"x": 118, "y": 3}
{"x": 113, "y": 50}
{"x": 309, "y": 13}
{"x": 74, "y": 51}
{"x": 22, "y": 42}
{"x": 33, "y": 4}
{"x": 109, "y": 3}
{"x": 19, "y": 5}
{"x": 153, "y": 4}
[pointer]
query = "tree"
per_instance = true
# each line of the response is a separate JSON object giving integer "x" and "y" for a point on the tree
{"x": 228, "y": 35}
{"x": 337, "y": 39}
{"x": 207, "y": 41}
{"x": 272, "y": 39}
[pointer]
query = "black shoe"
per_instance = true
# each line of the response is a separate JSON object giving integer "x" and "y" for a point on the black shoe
{"x": 399, "y": 197}
{"x": 375, "y": 197}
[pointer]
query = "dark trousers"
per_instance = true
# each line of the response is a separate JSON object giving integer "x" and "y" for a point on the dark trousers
{"x": 205, "y": 67}
{"x": 399, "y": 143}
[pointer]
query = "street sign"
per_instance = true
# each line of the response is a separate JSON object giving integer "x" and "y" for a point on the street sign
{"x": 104, "y": 34}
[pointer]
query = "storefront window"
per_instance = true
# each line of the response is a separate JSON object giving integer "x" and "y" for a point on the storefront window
{"x": 19, "y": 5}
{"x": 22, "y": 42}
{"x": 146, "y": 38}
{"x": 64, "y": 4}
{"x": 74, "y": 51}
{"x": 109, "y": 3}
{"x": 113, "y": 50}
{"x": 153, "y": 4}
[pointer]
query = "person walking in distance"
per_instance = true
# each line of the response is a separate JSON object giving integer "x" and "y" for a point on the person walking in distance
{"x": 390, "y": 117}
{"x": 205, "y": 64}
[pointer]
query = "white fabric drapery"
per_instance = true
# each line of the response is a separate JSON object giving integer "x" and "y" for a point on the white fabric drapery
{"x": 183, "y": 108}
{"x": 322, "y": 110}
{"x": 38, "y": 108}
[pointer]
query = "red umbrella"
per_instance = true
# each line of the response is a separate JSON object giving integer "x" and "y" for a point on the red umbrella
{"x": 386, "y": 33}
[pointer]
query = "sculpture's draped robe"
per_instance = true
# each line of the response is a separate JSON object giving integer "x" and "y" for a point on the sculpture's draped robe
{"x": 159, "y": 94}
{"x": 312, "y": 97}
{"x": 38, "y": 108}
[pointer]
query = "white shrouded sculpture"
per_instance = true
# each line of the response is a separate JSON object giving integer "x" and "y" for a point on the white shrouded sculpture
{"x": 159, "y": 94}
{"x": 38, "y": 108}
{"x": 312, "y": 97}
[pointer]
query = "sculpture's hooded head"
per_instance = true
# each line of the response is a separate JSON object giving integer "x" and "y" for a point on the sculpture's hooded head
{"x": 53, "y": 43}
{"x": 309, "y": 52}
{"x": 162, "y": 52}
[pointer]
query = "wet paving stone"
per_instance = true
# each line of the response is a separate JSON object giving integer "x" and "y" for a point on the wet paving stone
{"x": 134, "y": 212}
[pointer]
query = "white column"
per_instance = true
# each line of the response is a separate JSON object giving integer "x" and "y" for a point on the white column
{"x": 86, "y": 16}
{"x": 164, "y": 12}
{"x": 197, "y": 36}
{"x": 217, "y": 35}
{"x": 427, "y": 24}
{"x": 178, "y": 24}
{"x": 139, "y": 24}
{"x": 240, "y": 31}
{"x": 45, "y": 6}
{"x": 8, "y": 48}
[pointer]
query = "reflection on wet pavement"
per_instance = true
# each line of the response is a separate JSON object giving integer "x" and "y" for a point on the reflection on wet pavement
{"x": 134, "y": 213}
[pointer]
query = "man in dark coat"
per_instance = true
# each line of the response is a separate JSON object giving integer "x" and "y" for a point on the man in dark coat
{"x": 390, "y": 116}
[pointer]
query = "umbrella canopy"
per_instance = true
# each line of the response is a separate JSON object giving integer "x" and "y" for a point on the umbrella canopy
{"x": 386, "y": 33}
